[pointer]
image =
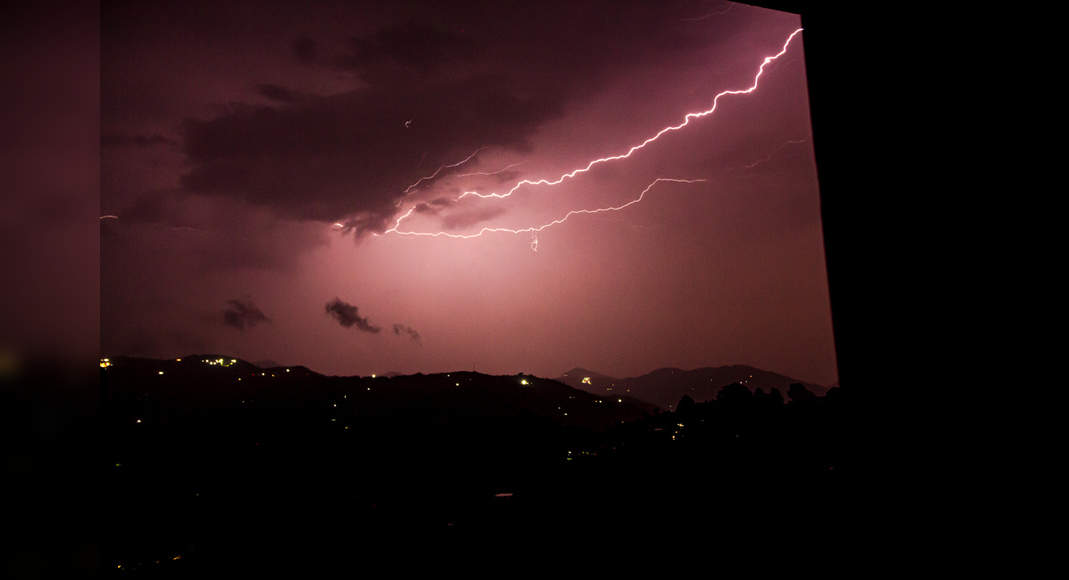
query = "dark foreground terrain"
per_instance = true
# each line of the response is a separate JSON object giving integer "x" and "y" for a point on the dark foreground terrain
{"x": 209, "y": 465}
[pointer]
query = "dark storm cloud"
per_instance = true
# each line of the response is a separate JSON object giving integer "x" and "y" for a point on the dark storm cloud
{"x": 172, "y": 229}
{"x": 400, "y": 329}
{"x": 457, "y": 219}
{"x": 550, "y": 45}
{"x": 242, "y": 312}
{"x": 151, "y": 207}
{"x": 418, "y": 47}
{"x": 348, "y": 155}
{"x": 474, "y": 76}
{"x": 280, "y": 94}
{"x": 348, "y": 316}
{"x": 434, "y": 206}
{"x": 305, "y": 49}
{"x": 120, "y": 140}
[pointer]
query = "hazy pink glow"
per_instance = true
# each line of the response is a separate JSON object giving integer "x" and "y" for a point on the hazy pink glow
{"x": 439, "y": 170}
{"x": 534, "y": 229}
{"x": 725, "y": 271}
{"x": 686, "y": 121}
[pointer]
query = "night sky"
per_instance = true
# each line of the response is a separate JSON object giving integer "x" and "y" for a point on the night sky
{"x": 256, "y": 158}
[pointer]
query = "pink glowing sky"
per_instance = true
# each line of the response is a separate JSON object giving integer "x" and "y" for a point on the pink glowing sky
{"x": 235, "y": 135}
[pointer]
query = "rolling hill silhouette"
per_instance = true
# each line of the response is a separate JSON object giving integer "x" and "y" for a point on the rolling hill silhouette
{"x": 214, "y": 380}
{"x": 666, "y": 386}
{"x": 206, "y": 462}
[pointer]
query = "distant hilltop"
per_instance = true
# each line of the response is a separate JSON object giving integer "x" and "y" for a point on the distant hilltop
{"x": 666, "y": 386}
{"x": 661, "y": 388}
{"x": 212, "y": 381}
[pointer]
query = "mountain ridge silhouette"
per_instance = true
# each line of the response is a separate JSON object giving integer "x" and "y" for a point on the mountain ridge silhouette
{"x": 665, "y": 386}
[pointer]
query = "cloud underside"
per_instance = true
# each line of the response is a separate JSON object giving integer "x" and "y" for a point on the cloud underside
{"x": 405, "y": 330}
{"x": 242, "y": 313}
{"x": 348, "y": 157}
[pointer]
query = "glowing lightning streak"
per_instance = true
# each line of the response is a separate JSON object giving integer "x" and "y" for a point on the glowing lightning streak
{"x": 505, "y": 168}
{"x": 711, "y": 14}
{"x": 769, "y": 157}
{"x": 686, "y": 121}
{"x": 533, "y": 229}
{"x": 439, "y": 170}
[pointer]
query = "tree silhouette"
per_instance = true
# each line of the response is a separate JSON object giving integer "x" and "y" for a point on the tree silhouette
{"x": 797, "y": 392}
{"x": 685, "y": 407}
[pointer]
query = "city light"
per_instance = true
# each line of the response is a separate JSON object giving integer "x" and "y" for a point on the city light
{"x": 219, "y": 362}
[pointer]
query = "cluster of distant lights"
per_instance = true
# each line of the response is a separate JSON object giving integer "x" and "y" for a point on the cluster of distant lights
{"x": 219, "y": 362}
{"x": 334, "y": 405}
{"x": 571, "y": 455}
{"x": 524, "y": 382}
{"x": 122, "y": 566}
{"x": 676, "y": 431}
{"x": 106, "y": 363}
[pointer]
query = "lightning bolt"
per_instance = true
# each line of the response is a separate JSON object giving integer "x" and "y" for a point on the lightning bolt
{"x": 409, "y": 189}
{"x": 686, "y": 121}
{"x": 534, "y": 229}
{"x": 711, "y": 14}
{"x": 503, "y": 169}
{"x": 769, "y": 157}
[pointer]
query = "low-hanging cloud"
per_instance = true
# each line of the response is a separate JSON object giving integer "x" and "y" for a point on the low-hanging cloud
{"x": 242, "y": 313}
{"x": 402, "y": 329}
{"x": 348, "y": 316}
{"x": 280, "y": 94}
